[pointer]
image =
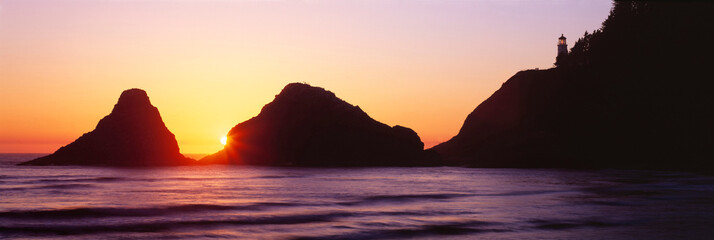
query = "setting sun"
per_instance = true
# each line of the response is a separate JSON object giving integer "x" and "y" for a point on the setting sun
{"x": 224, "y": 139}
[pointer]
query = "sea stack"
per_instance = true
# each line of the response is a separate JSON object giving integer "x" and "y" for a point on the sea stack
{"x": 310, "y": 127}
{"x": 133, "y": 134}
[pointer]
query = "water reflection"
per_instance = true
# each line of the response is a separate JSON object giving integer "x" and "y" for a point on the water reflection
{"x": 366, "y": 203}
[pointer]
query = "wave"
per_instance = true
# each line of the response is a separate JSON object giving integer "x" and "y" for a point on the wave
{"x": 65, "y": 229}
{"x": 402, "y": 198}
{"x": 281, "y": 176}
{"x": 569, "y": 224}
{"x": 438, "y": 196}
{"x": 521, "y": 193}
{"x": 455, "y": 228}
{"x": 75, "y": 213}
{"x": 50, "y": 186}
{"x": 95, "y": 179}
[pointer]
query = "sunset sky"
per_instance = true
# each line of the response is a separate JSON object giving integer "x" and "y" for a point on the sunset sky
{"x": 209, "y": 65}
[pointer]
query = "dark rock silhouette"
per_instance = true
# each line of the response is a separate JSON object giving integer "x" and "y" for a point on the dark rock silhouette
{"x": 309, "y": 126}
{"x": 631, "y": 95}
{"x": 133, "y": 134}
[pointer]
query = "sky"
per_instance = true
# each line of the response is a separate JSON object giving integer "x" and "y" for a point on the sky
{"x": 209, "y": 65}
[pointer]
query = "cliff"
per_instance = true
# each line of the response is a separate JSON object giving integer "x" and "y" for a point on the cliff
{"x": 626, "y": 96}
{"x": 133, "y": 134}
{"x": 309, "y": 126}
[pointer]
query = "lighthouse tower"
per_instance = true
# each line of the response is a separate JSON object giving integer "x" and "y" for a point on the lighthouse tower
{"x": 562, "y": 46}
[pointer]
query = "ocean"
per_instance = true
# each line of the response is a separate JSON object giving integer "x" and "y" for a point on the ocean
{"x": 238, "y": 202}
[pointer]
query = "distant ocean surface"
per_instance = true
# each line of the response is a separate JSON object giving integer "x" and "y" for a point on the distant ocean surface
{"x": 235, "y": 202}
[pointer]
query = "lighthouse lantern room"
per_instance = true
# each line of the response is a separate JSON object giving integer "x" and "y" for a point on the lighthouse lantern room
{"x": 562, "y": 46}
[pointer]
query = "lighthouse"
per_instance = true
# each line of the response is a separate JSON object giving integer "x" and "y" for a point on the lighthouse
{"x": 562, "y": 46}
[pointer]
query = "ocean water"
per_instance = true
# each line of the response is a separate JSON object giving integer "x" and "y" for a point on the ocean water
{"x": 365, "y": 203}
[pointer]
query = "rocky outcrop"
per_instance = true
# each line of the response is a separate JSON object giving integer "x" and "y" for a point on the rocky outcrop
{"x": 309, "y": 126}
{"x": 523, "y": 124}
{"x": 576, "y": 118}
{"x": 133, "y": 134}
{"x": 646, "y": 104}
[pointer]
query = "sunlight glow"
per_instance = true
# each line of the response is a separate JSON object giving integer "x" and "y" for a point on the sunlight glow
{"x": 224, "y": 60}
{"x": 224, "y": 139}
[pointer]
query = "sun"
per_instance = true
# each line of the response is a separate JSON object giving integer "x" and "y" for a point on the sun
{"x": 224, "y": 139}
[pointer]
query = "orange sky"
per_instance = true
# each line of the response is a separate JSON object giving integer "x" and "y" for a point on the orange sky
{"x": 208, "y": 65}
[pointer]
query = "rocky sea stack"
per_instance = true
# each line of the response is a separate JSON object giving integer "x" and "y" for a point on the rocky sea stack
{"x": 309, "y": 126}
{"x": 133, "y": 134}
